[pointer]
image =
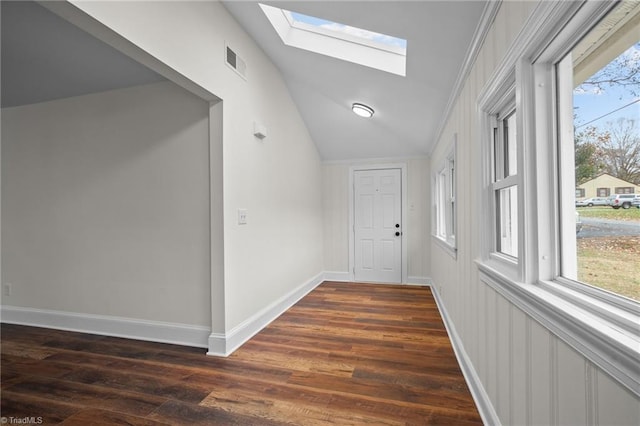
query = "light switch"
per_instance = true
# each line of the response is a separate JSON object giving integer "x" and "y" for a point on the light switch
{"x": 242, "y": 216}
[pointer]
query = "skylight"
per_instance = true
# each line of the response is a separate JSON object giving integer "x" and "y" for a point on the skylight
{"x": 368, "y": 48}
{"x": 346, "y": 32}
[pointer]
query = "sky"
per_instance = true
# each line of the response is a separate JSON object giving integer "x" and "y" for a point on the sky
{"x": 346, "y": 29}
{"x": 589, "y": 105}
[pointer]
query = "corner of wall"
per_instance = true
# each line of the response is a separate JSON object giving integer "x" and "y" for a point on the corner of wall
{"x": 224, "y": 344}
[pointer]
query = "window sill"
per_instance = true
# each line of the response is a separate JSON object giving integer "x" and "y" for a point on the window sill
{"x": 450, "y": 249}
{"x": 623, "y": 314}
{"x": 606, "y": 340}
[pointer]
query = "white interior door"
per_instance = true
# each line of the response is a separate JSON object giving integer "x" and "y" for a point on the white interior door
{"x": 378, "y": 225}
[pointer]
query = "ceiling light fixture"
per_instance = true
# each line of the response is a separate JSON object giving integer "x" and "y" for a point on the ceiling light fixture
{"x": 362, "y": 110}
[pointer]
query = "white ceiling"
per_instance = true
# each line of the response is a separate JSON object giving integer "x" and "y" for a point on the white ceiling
{"x": 44, "y": 58}
{"x": 408, "y": 109}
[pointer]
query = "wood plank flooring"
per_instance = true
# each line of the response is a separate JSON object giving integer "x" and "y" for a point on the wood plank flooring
{"x": 346, "y": 354}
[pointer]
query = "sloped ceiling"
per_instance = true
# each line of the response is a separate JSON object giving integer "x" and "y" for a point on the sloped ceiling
{"x": 45, "y": 58}
{"x": 408, "y": 110}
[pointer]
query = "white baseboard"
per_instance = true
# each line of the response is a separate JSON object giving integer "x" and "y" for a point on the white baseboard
{"x": 347, "y": 277}
{"x": 130, "y": 328}
{"x": 225, "y": 344}
{"x": 480, "y": 396}
{"x": 218, "y": 344}
{"x": 419, "y": 281}
{"x": 337, "y": 276}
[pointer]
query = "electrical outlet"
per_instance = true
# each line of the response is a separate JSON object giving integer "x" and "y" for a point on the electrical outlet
{"x": 8, "y": 289}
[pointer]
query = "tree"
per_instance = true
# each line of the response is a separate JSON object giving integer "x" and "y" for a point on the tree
{"x": 624, "y": 71}
{"x": 588, "y": 154}
{"x": 616, "y": 149}
{"x": 621, "y": 150}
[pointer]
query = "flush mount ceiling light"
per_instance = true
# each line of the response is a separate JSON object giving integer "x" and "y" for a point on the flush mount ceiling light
{"x": 362, "y": 110}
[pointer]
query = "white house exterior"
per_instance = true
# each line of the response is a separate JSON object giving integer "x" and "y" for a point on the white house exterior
{"x": 605, "y": 185}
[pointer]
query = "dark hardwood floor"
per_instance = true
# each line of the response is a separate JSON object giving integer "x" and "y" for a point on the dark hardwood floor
{"x": 345, "y": 354}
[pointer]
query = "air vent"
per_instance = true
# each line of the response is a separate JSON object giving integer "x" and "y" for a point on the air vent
{"x": 235, "y": 62}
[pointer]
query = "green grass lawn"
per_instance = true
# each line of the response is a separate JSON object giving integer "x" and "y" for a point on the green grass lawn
{"x": 632, "y": 214}
{"x": 611, "y": 264}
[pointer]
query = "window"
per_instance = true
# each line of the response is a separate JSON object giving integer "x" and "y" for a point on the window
{"x": 580, "y": 193}
{"x": 362, "y": 36}
{"x": 502, "y": 195}
{"x": 444, "y": 190}
{"x": 380, "y": 51}
{"x": 529, "y": 177}
{"x": 593, "y": 272}
{"x": 624, "y": 190}
{"x": 600, "y": 82}
{"x": 505, "y": 183}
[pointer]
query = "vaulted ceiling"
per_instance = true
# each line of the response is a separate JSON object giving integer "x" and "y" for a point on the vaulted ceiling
{"x": 44, "y": 57}
{"x": 408, "y": 110}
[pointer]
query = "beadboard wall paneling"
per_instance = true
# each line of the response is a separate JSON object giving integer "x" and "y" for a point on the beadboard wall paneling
{"x": 530, "y": 375}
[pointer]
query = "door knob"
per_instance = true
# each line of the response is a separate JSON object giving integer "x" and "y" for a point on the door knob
{"x": 397, "y": 225}
{"x": 397, "y": 234}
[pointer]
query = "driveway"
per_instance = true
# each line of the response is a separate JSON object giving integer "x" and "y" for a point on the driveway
{"x": 595, "y": 227}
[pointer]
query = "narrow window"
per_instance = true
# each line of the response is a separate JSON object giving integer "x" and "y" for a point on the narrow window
{"x": 505, "y": 184}
{"x": 444, "y": 196}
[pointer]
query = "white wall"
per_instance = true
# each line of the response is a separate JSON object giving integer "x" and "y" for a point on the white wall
{"x": 530, "y": 375}
{"x": 278, "y": 180}
{"x": 105, "y": 205}
{"x": 336, "y": 217}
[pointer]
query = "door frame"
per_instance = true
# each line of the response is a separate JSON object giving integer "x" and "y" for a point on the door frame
{"x": 403, "y": 206}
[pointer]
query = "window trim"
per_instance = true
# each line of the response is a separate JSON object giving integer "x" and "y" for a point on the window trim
{"x": 447, "y": 212}
{"x": 596, "y": 323}
{"x": 499, "y": 97}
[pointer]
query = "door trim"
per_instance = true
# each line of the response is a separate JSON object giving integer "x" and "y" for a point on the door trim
{"x": 403, "y": 206}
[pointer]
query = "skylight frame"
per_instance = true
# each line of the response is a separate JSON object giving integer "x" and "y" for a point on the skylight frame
{"x": 343, "y": 35}
{"x": 337, "y": 44}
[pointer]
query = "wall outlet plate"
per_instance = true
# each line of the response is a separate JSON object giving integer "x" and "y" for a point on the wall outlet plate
{"x": 242, "y": 216}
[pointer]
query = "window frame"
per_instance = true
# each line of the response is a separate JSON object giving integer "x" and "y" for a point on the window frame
{"x": 600, "y": 325}
{"x": 444, "y": 181}
{"x": 500, "y": 98}
{"x": 625, "y": 190}
{"x": 338, "y": 45}
{"x": 503, "y": 178}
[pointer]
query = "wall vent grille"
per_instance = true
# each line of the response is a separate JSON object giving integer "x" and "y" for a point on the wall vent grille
{"x": 235, "y": 62}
